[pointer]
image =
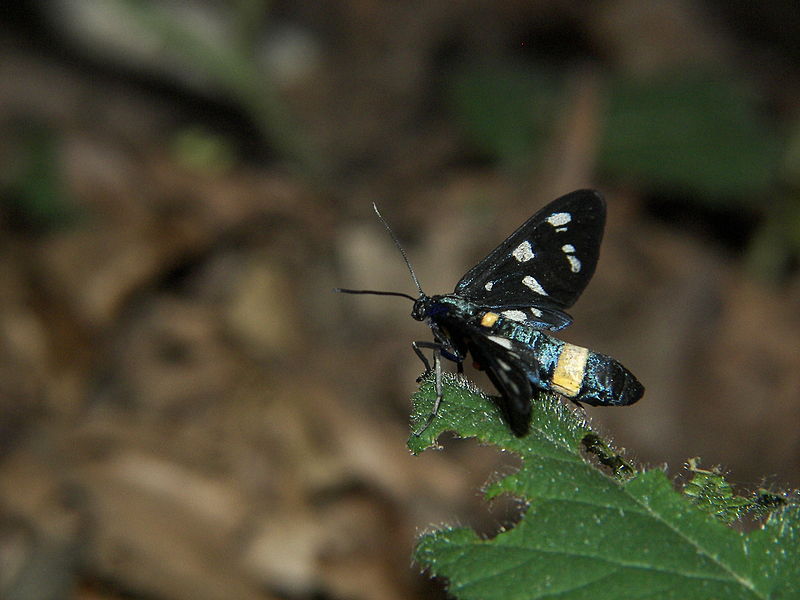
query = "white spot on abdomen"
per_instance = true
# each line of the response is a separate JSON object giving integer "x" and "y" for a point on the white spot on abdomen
{"x": 489, "y": 285}
{"x": 559, "y": 219}
{"x": 534, "y": 285}
{"x": 523, "y": 252}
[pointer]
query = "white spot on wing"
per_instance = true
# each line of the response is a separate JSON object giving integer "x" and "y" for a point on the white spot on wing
{"x": 500, "y": 341}
{"x": 574, "y": 263}
{"x": 536, "y": 312}
{"x": 534, "y": 285}
{"x": 523, "y": 252}
{"x": 512, "y": 386}
{"x": 559, "y": 219}
{"x": 503, "y": 364}
{"x": 489, "y": 285}
{"x": 514, "y": 315}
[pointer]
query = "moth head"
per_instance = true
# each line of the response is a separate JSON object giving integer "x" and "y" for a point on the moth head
{"x": 421, "y": 308}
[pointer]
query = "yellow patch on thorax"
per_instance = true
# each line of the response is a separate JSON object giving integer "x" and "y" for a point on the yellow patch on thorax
{"x": 568, "y": 374}
{"x": 489, "y": 319}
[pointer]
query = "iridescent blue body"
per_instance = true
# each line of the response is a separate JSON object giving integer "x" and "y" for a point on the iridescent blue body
{"x": 601, "y": 380}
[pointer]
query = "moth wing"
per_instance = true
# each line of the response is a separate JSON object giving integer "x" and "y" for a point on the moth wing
{"x": 546, "y": 263}
{"x": 512, "y": 369}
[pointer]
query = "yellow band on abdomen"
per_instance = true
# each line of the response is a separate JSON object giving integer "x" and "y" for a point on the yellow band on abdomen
{"x": 568, "y": 374}
{"x": 489, "y": 319}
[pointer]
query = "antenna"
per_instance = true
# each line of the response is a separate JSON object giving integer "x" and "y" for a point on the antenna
{"x": 374, "y": 292}
{"x": 399, "y": 247}
{"x": 405, "y": 258}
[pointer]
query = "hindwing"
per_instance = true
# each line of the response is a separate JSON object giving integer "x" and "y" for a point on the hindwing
{"x": 512, "y": 368}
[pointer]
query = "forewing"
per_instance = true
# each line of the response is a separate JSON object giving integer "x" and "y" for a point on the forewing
{"x": 546, "y": 263}
{"x": 512, "y": 370}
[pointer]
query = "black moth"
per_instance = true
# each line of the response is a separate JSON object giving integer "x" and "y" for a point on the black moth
{"x": 500, "y": 309}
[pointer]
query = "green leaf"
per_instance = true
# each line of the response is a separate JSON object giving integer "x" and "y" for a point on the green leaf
{"x": 691, "y": 132}
{"x": 232, "y": 67}
{"x": 36, "y": 194}
{"x": 709, "y": 491}
{"x": 506, "y": 110}
{"x": 775, "y": 244}
{"x": 588, "y": 534}
{"x": 203, "y": 151}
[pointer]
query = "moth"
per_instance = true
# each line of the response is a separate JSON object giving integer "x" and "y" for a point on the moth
{"x": 503, "y": 308}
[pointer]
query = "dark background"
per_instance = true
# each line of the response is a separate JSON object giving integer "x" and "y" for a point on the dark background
{"x": 188, "y": 411}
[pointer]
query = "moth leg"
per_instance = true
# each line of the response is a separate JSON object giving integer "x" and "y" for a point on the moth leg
{"x": 416, "y": 346}
{"x": 437, "y": 367}
{"x": 438, "y": 348}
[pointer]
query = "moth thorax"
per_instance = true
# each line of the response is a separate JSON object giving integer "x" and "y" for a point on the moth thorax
{"x": 489, "y": 319}
{"x": 568, "y": 374}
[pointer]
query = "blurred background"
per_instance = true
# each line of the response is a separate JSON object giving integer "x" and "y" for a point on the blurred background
{"x": 188, "y": 411}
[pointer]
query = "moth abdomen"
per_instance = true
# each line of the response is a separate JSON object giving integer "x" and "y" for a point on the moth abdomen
{"x": 605, "y": 382}
{"x": 570, "y": 370}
